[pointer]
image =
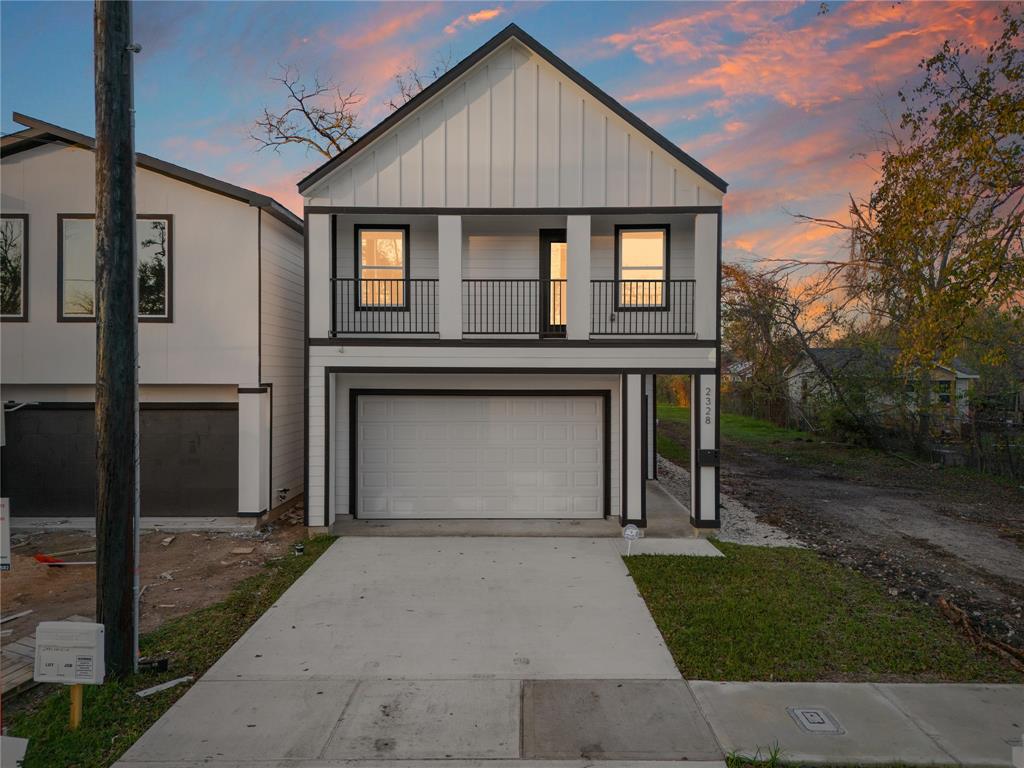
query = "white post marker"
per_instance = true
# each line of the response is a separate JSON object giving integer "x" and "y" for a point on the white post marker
{"x": 70, "y": 652}
{"x": 5, "y": 534}
{"x": 630, "y": 533}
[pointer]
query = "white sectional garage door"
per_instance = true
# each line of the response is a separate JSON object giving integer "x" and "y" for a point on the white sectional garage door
{"x": 483, "y": 456}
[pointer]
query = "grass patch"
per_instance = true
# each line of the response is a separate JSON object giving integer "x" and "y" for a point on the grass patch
{"x": 789, "y": 615}
{"x": 845, "y": 461}
{"x": 733, "y": 426}
{"x": 114, "y": 717}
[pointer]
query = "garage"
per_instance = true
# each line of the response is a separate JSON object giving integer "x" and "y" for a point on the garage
{"x": 188, "y": 460}
{"x": 482, "y": 454}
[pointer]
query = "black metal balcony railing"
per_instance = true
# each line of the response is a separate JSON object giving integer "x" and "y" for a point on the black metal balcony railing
{"x": 379, "y": 306}
{"x": 641, "y": 307}
{"x": 499, "y": 307}
{"x": 513, "y": 306}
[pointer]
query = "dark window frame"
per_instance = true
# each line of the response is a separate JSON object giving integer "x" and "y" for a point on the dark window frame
{"x": 21, "y": 317}
{"x": 665, "y": 304}
{"x": 357, "y": 261}
{"x": 168, "y": 317}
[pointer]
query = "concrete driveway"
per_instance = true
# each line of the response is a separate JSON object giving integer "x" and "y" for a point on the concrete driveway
{"x": 442, "y": 648}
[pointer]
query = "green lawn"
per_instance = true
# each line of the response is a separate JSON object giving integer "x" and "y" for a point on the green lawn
{"x": 788, "y": 614}
{"x": 734, "y": 427}
{"x": 114, "y": 717}
{"x": 848, "y": 462}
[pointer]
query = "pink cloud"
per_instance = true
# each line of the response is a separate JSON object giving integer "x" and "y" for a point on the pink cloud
{"x": 386, "y": 26}
{"x": 472, "y": 19}
{"x": 805, "y": 66}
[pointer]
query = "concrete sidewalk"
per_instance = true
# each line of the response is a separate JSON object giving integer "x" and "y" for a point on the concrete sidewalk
{"x": 866, "y": 723}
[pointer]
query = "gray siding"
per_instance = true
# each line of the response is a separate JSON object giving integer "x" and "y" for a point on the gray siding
{"x": 281, "y": 349}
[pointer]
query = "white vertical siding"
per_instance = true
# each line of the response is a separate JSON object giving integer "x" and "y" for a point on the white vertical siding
{"x": 213, "y": 336}
{"x": 281, "y": 349}
{"x": 513, "y": 131}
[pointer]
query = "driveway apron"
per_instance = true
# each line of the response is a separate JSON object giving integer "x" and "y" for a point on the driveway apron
{"x": 424, "y": 648}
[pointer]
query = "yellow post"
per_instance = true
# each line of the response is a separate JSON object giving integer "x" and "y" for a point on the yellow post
{"x": 76, "y": 706}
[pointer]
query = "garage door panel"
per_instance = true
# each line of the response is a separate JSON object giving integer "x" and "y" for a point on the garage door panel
{"x": 479, "y": 456}
{"x": 188, "y": 467}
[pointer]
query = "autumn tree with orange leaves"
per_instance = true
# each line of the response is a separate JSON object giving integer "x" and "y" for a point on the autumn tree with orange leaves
{"x": 939, "y": 239}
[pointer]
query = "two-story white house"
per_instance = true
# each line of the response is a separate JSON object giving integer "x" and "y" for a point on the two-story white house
{"x": 220, "y": 335}
{"x": 495, "y": 274}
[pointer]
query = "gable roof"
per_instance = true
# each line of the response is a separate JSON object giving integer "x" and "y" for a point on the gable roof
{"x": 509, "y": 32}
{"x": 39, "y": 132}
{"x": 860, "y": 361}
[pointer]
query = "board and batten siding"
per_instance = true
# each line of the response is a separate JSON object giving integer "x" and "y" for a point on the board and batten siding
{"x": 282, "y": 329}
{"x": 513, "y": 132}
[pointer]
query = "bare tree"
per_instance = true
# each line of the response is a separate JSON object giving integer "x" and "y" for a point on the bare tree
{"x": 320, "y": 116}
{"x": 410, "y": 81}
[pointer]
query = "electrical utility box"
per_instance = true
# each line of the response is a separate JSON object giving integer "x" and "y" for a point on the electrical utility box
{"x": 69, "y": 652}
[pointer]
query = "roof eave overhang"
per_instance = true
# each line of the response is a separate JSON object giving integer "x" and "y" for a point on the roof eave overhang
{"x": 39, "y": 132}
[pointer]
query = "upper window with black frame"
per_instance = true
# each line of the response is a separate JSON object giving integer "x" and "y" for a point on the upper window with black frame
{"x": 643, "y": 266}
{"x": 382, "y": 267}
{"x": 78, "y": 267}
{"x": 14, "y": 267}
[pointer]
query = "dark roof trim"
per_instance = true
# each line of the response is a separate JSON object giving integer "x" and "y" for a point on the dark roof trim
{"x": 511, "y": 31}
{"x": 40, "y": 132}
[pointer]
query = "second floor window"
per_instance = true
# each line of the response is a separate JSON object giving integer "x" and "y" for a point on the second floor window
{"x": 13, "y": 267}
{"x": 382, "y": 266}
{"x": 77, "y": 263}
{"x": 642, "y": 262}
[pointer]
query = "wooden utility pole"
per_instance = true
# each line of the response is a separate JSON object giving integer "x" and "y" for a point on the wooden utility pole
{"x": 117, "y": 384}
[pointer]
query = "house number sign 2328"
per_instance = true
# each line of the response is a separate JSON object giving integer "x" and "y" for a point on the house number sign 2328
{"x": 707, "y": 405}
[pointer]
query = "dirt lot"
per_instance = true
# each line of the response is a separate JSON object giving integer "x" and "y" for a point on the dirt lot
{"x": 191, "y": 571}
{"x": 924, "y": 532}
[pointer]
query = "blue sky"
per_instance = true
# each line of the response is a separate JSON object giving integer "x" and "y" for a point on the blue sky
{"x": 779, "y": 100}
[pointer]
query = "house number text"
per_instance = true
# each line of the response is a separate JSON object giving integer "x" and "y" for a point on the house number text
{"x": 707, "y": 405}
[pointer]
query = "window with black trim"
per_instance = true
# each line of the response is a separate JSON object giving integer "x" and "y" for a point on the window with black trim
{"x": 382, "y": 273}
{"x": 77, "y": 266}
{"x": 14, "y": 266}
{"x": 641, "y": 257}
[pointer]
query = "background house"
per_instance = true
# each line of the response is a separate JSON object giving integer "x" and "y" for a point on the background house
{"x": 872, "y": 375}
{"x": 220, "y": 335}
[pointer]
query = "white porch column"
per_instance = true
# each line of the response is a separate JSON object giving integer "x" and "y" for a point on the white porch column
{"x": 652, "y": 420}
{"x": 633, "y": 480}
{"x": 321, "y": 251}
{"x": 253, "y": 450}
{"x": 449, "y": 274}
{"x": 577, "y": 300}
{"x": 705, "y": 272}
{"x": 704, "y": 470}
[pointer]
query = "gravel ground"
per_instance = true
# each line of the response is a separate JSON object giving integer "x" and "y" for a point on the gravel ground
{"x": 739, "y": 523}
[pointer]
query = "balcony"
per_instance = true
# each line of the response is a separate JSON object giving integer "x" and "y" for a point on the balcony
{"x": 384, "y": 307}
{"x": 512, "y": 276}
{"x": 641, "y": 307}
{"x": 531, "y": 307}
{"x": 513, "y": 307}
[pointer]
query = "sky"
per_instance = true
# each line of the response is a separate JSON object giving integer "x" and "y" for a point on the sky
{"x": 781, "y": 100}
